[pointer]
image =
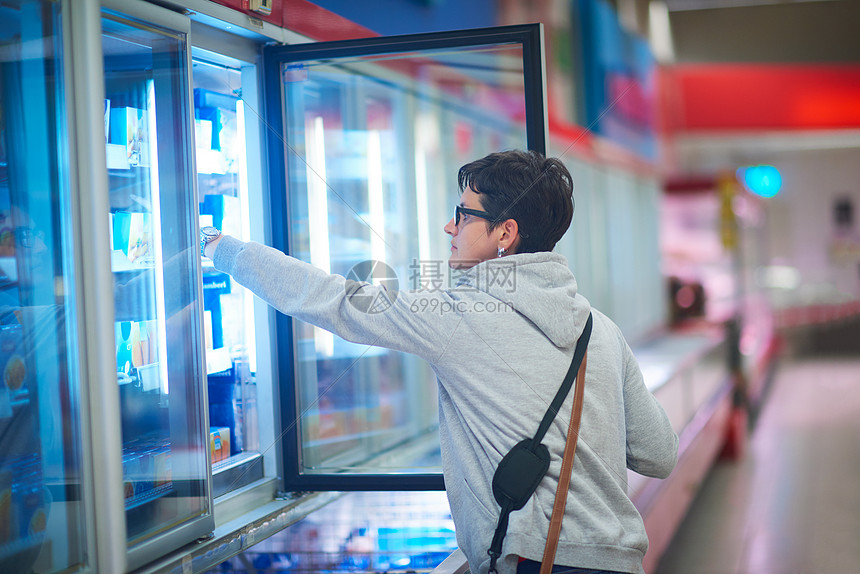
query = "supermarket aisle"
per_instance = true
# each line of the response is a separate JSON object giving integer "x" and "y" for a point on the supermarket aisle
{"x": 792, "y": 505}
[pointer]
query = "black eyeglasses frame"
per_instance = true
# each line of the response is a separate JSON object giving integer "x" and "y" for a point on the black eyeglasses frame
{"x": 458, "y": 209}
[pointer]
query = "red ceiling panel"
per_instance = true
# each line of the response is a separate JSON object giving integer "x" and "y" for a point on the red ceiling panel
{"x": 732, "y": 97}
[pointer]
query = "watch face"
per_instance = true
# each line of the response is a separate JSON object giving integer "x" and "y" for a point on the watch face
{"x": 210, "y": 231}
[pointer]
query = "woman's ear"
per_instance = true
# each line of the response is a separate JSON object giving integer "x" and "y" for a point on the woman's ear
{"x": 509, "y": 236}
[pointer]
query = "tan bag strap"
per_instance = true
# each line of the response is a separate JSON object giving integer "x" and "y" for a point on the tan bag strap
{"x": 566, "y": 468}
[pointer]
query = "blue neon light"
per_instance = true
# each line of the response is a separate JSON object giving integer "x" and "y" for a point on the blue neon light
{"x": 763, "y": 180}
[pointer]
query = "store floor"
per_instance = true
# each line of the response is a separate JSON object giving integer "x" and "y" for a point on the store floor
{"x": 792, "y": 504}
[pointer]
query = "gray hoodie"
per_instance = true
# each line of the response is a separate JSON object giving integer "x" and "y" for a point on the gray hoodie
{"x": 500, "y": 343}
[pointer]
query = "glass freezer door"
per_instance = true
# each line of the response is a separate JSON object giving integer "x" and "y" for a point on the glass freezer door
{"x": 43, "y": 476}
{"x": 154, "y": 258}
{"x": 369, "y": 135}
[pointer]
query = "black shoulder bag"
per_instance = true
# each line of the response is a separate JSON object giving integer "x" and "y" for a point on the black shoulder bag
{"x": 522, "y": 469}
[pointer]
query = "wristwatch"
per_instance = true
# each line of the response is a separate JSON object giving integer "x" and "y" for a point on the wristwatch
{"x": 208, "y": 234}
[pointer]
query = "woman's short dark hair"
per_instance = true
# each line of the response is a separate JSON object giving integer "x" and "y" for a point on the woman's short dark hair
{"x": 533, "y": 190}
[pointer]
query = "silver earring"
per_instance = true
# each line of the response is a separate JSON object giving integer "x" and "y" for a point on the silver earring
{"x": 502, "y": 251}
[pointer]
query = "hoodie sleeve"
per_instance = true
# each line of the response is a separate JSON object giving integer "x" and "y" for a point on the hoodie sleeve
{"x": 652, "y": 445}
{"x": 359, "y": 312}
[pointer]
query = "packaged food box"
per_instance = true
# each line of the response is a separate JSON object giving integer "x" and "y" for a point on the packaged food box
{"x": 219, "y": 443}
{"x": 215, "y": 445}
{"x": 128, "y": 128}
{"x": 14, "y": 371}
{"x": 161, "y": 463}
{"x": 226, "y": 439}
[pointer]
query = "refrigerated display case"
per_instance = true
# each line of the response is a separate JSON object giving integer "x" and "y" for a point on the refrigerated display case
{"x": 42, "y": 498}
{"x": 370, "y": 134}
{"x": 154, "y": 261}
{"x": 222, "y": 147}
{"x": 137, "y": 342}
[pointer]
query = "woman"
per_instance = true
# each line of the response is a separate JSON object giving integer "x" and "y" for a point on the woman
{"x": 500, "y": 344}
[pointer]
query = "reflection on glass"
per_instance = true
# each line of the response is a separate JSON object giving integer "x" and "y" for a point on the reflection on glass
{"x": 153, "y": 252}
{"x": 318, "y": 231}
{"x": 361, "y": 532}
{"x": 374, "y": 145}
{"x": 219, "y": 118}
{"x": 41, "y": 516}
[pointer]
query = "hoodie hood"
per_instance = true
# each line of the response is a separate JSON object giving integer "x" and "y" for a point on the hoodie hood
{"x": 539, "y": 286}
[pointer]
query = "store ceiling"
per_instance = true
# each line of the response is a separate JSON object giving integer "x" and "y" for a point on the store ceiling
{"x": 678, "y": 5}
{"x": 789, "y": 31}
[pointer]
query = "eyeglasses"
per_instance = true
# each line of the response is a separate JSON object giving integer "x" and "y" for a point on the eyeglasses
{"x": 459, "y": 209}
